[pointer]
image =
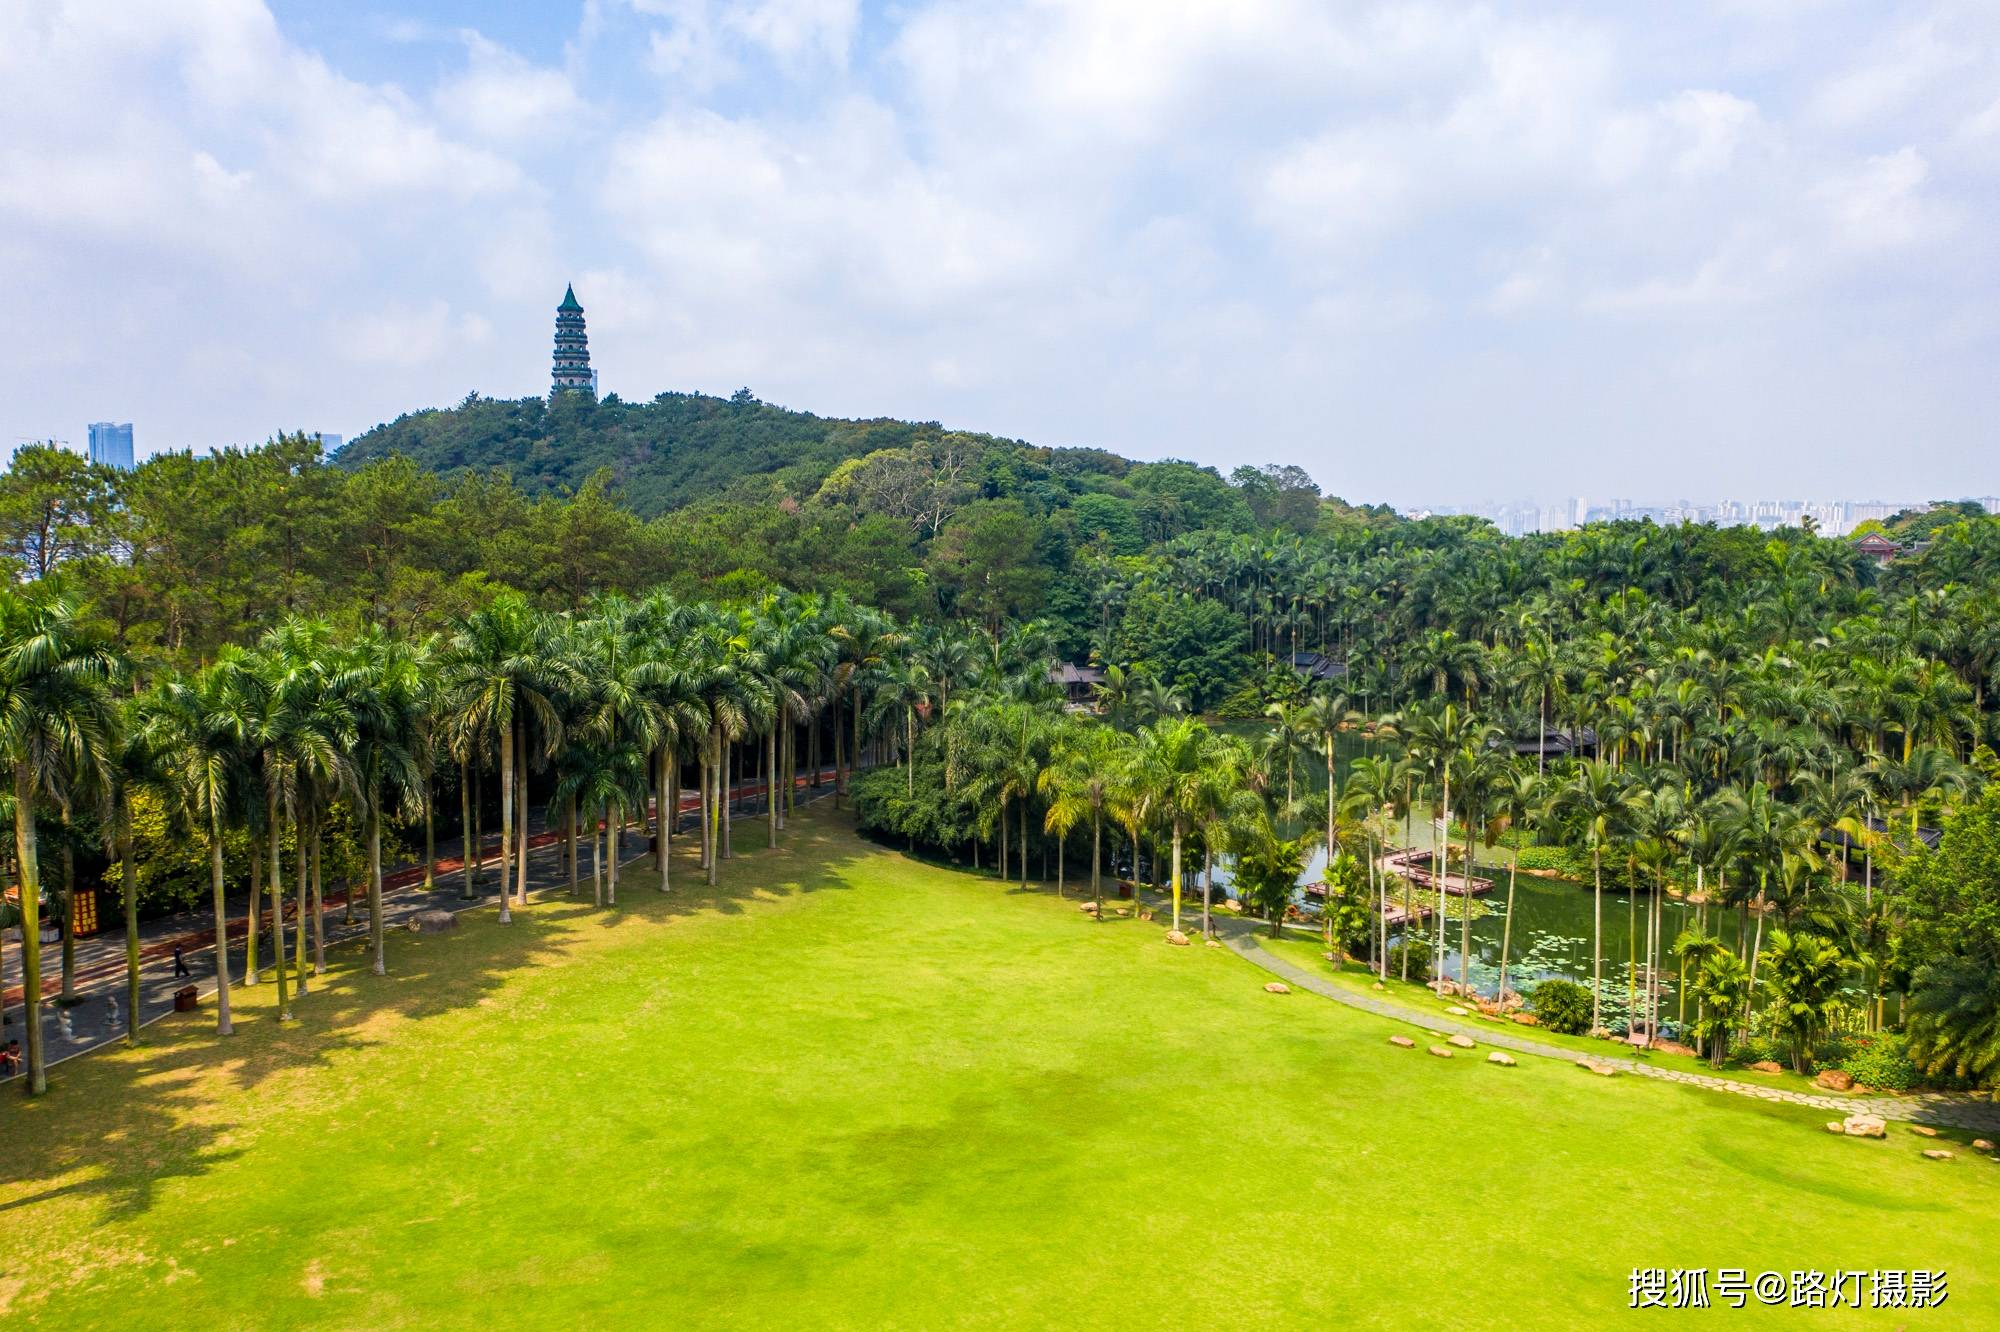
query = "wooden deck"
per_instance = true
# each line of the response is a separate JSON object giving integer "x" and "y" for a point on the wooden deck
{"x": 1416, "y": 866}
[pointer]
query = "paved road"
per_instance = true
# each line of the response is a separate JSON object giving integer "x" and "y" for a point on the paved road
{"x": 1944, "y": 1109}
{"x": 98, "y": 1019}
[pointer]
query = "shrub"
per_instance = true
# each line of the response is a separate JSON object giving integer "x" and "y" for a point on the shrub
{"x": 1561, "y": 1006}
{"x": 1880, "y": 1060}
{"x": 1420, "y": 958}
{"x": 1559, "y": 859}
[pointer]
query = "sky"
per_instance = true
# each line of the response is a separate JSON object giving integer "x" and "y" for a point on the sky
{"x": 1432, "y": 253}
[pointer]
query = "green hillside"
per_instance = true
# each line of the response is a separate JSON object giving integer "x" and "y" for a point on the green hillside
{"x": 663, "y": 454}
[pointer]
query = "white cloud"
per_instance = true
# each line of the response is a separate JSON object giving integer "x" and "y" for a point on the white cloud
{"x": 410, "y": 334}
{"x": 1882, "y": 203}
{"x": 1158, "y": 226}
{"x": 704, "y": 43}
{"x": 501, "y": 96}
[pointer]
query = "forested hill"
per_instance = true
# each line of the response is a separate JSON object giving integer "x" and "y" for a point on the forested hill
{"x": 662, "y": 455}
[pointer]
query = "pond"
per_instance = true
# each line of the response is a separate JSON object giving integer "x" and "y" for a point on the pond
{"x": 1552, "y": 917}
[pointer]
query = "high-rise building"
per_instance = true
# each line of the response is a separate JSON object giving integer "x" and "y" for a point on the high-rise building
{"x": 572, "y": 372}
{"x": 111, "y": 444}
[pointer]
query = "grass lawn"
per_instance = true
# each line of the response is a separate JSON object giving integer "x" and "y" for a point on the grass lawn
{"x": 855, "y": 1091}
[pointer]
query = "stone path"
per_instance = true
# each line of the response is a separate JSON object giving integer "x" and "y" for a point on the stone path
{"x": 1945, "y": 1109}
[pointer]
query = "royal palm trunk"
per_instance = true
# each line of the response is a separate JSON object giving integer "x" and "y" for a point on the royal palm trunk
{"x": 277, "y": 905}
{"x": 376, "y": 942}
{"x": 319, "y": 901}
{"x": 299, "y": 940}
{"x": 31, "y": 929}
{"x": 128, "y": 867}
{"x": 223, "y": 1026}
{"x": 254, "y": 922}
{"x": 506, "y": 739}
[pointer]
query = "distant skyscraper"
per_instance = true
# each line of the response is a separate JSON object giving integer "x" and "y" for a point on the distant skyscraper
{"x": 111, "y": 444}
{"x": 572, "y": 371}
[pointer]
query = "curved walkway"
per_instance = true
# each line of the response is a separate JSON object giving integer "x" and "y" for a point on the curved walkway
{"x": 1942, "y": 1109}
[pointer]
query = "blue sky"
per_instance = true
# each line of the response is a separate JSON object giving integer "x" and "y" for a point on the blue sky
{"x": 1430, "y": 252}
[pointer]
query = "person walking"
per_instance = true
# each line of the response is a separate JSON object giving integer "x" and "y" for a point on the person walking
{"x": 180, "y": 964}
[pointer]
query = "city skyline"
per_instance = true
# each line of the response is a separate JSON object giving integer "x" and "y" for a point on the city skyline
{"x": 1835, "y": 518}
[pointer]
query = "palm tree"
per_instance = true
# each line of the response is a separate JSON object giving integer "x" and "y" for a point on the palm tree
{"x": 305, "y": 731}
{"x": 501, "y": 676}
{"x": 1171, "y": 763}
{"x": 1268, "y": 868}
{"x": 380, "y": 680}
{"x": 1373, "y": 790}
{"x": 1599, "y": 799}
{"x": 1482, "y": 768}
{"x": 603, "y": 781}
{"x": 1222, "y": 802}
{"x": 1519, "y": 798}
{"x": 1082, "y": 778}
{"x": 901, "y": 689}
{"x": 865, "y": 639}
{"x": 1805, "y": 973}
{"x": 1954, "y": 1017}
{"x": 1322, "y": 716}
{"x": 1437, "y": 736}
{"x": 1770, "y": 835}
{"x": 55, "y": 728}
{"x": 1693, "y": 949}
{"x": 1723, "y": 989}
{"x": 203, "y": 726}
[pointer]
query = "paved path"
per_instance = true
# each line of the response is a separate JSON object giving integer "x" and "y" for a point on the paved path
{"x": 98, "y": 1018}
{"x": 1945, "y": 1109}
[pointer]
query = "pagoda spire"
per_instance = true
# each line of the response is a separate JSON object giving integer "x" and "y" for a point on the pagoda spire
{"x": 571, "y": 372}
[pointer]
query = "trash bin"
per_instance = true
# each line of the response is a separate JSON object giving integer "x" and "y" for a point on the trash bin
{"x": 187, "y": 999}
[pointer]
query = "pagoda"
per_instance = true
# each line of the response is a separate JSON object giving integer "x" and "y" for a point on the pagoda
{"x": 572, "y": 372}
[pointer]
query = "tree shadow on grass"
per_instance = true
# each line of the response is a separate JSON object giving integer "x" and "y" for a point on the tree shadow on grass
{"x": 120, "y": 1123}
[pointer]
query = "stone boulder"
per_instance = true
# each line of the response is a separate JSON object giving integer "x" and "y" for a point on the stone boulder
{"x": 1277, "y": 987}
{"x": 1440, "y": 1052}
{"x": 1213, "y": 943}
{"x": 433, "y": 922}
{"x": 1378, "y": 986}
{"x": 1502, "y": 1058}
{"x": 1088, "y": 908}
{"x": 1864, "y": 1126}
{"x": 1402, "y": 1042}
{"x": 1767, "y": 1066}
{"x": 1982, "y": 1145}
{"x": 1455, "y": 1011}
{"x": 1676, "y": 1048}
{"x": 1937, "y": 1154}
{"x": 1527, "y": 1019}
{"x": 1835, "y": 1079}
{"x": 1601, "y": 1069}
{"x": 1177, "y": 939}
{"x": 1462, "y": 1042}
{"x": 1923, "y": 1130}
{"x": 1834, "y": 1126}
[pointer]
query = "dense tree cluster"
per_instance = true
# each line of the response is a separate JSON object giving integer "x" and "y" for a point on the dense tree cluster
{"x": 1766, "y": 723}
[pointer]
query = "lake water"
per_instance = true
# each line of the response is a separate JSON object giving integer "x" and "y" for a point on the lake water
{"x": 1552, "y": 918}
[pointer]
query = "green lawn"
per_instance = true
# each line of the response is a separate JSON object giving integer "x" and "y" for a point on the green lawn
{"x": 854, "y": 1091}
